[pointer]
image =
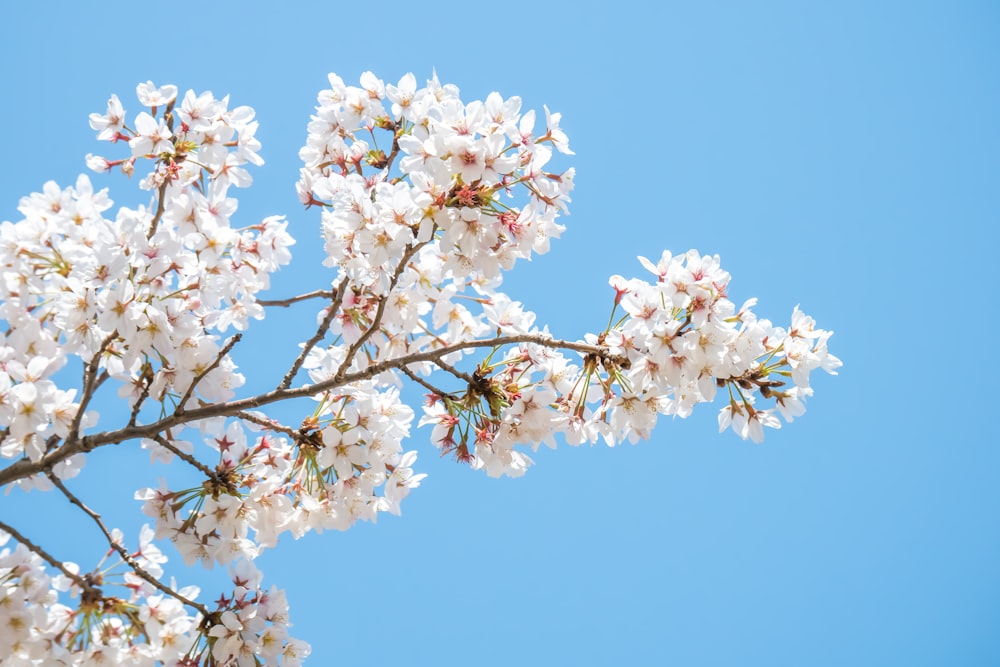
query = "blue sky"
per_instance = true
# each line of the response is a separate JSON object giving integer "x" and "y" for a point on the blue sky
{"x": 844, "y": 157}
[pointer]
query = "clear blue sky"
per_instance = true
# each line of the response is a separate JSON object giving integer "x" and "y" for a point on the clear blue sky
{"x": 846, "y": 158}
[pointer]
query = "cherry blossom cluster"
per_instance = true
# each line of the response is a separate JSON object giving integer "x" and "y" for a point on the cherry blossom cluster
{"x": 470, "y": 176}
{"x": 425, "y": 201}
{"x": 140, "y": 297}
{"x": 327, "y": 475}
{"x": 424, "y": 197}
{"x": 137, "y": 296}
{"x": 673, "y": 343}
{"x": 682, "y": 340}
{"x": 409, "y": 239}
{"x": 250, "y": 626}
{"x": 142, "y": 626}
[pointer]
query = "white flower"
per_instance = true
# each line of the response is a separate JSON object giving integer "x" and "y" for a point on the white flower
{"x": 153, "y": 136}
{"x": 151, "y": 96}
{"x": 111, "y": 122}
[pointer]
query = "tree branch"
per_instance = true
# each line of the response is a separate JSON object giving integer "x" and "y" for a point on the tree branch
{"x": 269, "y": 424}
{"x": 90, "y": 384}
{"x": 122, "y": 552}
{"x": 454, "y": 371}
{"x": 134, "y": 415}
{"x": 201, "y": 376}
{"x": 34, "y": 548}
{"x": 336, "y": 299}
{"x": 285, "y": 303}
{"x": 25, "y": 467}
{"x": 187, "y": 458}
{"x": 422, "y": 382}
{"x": 161, "y": 203}
{"x": 376, "y": 322}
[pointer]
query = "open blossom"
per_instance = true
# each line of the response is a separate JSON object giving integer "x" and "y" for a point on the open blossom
{"x": 109, "y": 124}
{"x": 153, "y": 136}
{"x": 151, "y": 96}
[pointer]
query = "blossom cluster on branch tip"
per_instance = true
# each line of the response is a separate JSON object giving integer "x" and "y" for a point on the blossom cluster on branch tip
{"x": 424, "y": 201}
{"x": 140, "y": 625}
{"x": 140, "y": 297}
{"x": 471, "y": 182}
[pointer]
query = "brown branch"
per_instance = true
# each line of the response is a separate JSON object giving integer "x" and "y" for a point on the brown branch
{"x": 161, "y": 205}
{"x": 285, "y": 303}
{"x": 134, "y": 415}
{"x": 121, "y": 551}
{"x": 187, "y": 458}
{"x": 397, "y": 132}
{"x": 211, "y": 367}
{"x": 268, "y": 424}
{"x": 34, "y": 548}
{"x": 376, "y": 322}
{"x": 25, "y": 467}
{"x": 422, "y": 382}
{"x": 454, "y": 371}
{"x": 91, "y": 382}
{"x": 336, "y": 300}
{"x": 161, "y": 208}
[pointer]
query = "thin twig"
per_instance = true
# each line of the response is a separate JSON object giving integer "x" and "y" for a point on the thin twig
{"x": 376, "y": 322}
{"x": 90, "y": 384}
{"x": 122, "y": 552}
{"x": 394, "y": 151}
{"x": 161, "y": 207}
{"x": 161, "y": 193}
{"x": 454, "y": 371}
{"x": 187, "y": 458}
{"x": 25, "y": 467}
{"x": 34, "y": 548}
{"x": 134, "y": 415}
{"x": 101, "y": 379}
{"x": 268, "y": 424}
{"x": 205, "y": 371}
{"x": 422, "y": 382}
{"x": 285, "y": 303}
{"x": 336, "y": 300}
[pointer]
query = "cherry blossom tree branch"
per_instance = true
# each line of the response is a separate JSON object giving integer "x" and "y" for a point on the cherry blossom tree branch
{"x": 376, "y": 322}
{"x": 134, "y": 415}
{"x": 26, "y": 468}
{"x": 454, "y": 371}
{"x": 336, "y": 300}
{"x": 373, "y": 227}
{"x": 285, "y": 303}
{"x": 82, "y": 582}
{"x": 269, "y": 424}
{"x": 397, "y": 132}
{"x": 422, "y": 382}
{"x": 187, "y": 458}
{"x": 122, "y": 552}
{"x": 161, "y": 207}
{"x": 161, "y": 198}
{"x": 91, "y": 382}
{"x": 205, "y": 371}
